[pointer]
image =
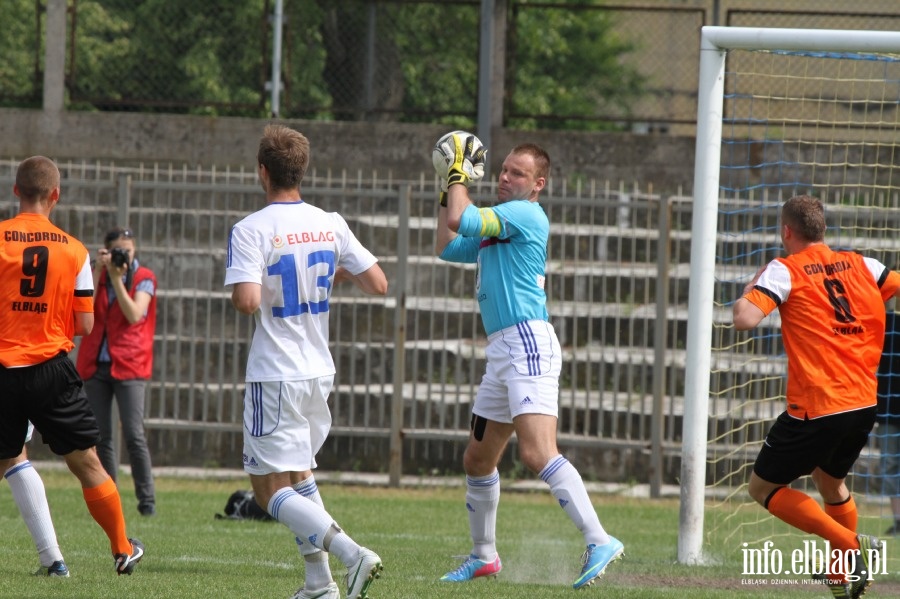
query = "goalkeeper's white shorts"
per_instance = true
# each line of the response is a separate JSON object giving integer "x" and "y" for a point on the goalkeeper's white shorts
{"x": 285, "y": 424}
{"x": 522, "y": 377}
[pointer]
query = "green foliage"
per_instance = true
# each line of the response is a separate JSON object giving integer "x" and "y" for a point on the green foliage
{"x": 348, "y": 60}
{"x": 208, "y": 63}
{"x": 19, "y": 47}
{"x": 569, "y": 63}
{"x": 168, "y": 55}
{"x": 105, "y": 52}
{"x": 437, "y": 47}
{"x": 304, "y": 56}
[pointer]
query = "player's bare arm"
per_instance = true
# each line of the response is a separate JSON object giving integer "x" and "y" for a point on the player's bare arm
{"x": 449, "y": 217}
{"x": 246, "y": 297}
{"x": 745, "y": 314}
{"x": 444, "y": 235}
{"x": 457, "y": 202}
{"x": 84, "y": 323}
{"x": 372, "y": 281}
{"x": 342, "y": 275}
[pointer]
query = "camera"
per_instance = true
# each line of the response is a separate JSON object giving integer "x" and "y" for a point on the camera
{"x": 118, "y": 256}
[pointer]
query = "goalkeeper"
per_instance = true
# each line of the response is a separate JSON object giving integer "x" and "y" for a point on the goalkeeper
{"x": 520, "y": 388}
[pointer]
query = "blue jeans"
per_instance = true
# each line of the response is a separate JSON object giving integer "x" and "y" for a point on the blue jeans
{"x": 129, "y": 396}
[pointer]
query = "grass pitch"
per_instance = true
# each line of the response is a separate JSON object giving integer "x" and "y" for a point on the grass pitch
{"x": 417, "y": 532}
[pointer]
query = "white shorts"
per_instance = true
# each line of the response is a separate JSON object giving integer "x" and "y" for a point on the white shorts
{"x": 522, "y": 375}
{"x": 285, "y": 424}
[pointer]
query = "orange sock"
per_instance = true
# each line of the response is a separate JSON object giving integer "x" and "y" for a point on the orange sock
{"x": 105, "y": 506}
{"x": 802, "y": 511}
{"x": 844, "y": 513}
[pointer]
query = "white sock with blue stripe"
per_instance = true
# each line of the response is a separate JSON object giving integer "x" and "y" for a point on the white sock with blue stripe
{"x": 482, "y": 499}
{"x": 318, "y": 571}
{"x": 307, "y": 520}
{"x": 312, "y": 524}
{"x": 31, "y": 498}
{"x": 568, "y": 488}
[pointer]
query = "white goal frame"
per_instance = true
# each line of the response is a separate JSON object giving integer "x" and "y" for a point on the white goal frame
{"x": 715, "y": 42}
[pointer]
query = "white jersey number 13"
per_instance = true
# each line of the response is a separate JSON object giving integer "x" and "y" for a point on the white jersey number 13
{"x": 286, "y": 268}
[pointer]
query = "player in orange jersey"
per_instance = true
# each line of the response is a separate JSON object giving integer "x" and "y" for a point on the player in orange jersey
{"x": 46, "y": 299}
{"x": 832, "y": 322}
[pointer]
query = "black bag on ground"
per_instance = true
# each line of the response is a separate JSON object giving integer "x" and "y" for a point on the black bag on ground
{"x": 242, "y": 506}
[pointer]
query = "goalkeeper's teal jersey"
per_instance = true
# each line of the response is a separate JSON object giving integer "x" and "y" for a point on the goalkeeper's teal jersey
{"x": 509, "y": 283}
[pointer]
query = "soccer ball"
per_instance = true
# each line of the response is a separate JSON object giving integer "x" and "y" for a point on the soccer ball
{"x": 443, "y": 153}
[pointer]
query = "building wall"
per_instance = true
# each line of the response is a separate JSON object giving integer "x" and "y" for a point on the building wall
{"x": 402, "y": 150}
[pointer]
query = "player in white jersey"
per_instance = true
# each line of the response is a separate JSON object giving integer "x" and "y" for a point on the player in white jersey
{"x": 520, "y": 388}
{"x": 31, "y": 498}
{"x": 282, "y": 263}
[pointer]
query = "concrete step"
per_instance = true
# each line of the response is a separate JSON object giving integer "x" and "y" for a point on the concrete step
{"x": 598, "y": 282}
{"x": 444, "y": 412}
{"x": 450, "y": 364}
{"x": 181, "y": 359}
{"x": 206, "y": 316}
{"x": 200, "y": 313}
{"x": 209, "y": 403}
{"x": 594, "y": 281}
{"x": 567, "y": 241}
{"x": 181, "y": 225}
{"x": 601, "y": 367}
{"x": 591, "y": 412}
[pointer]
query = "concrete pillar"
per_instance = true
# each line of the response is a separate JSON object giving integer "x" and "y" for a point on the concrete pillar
{"x": 55, "y": 57}
{"x": 491, "y": 72}
{"x": 498, "y": 64}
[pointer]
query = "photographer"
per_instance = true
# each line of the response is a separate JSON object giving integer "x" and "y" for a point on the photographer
{"x": 116, "y": 359}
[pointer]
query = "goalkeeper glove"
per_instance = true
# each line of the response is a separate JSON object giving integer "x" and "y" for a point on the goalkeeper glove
{"x": 442, "y": 199}
{"x": 468, "y": 162}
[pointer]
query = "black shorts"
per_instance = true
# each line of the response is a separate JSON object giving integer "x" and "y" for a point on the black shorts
{"x": 50, "y": 395}
{"x": 794, "y": 447}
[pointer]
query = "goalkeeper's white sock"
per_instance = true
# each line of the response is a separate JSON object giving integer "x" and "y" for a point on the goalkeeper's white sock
{"x": 31, "y": 498}
{"x": 568, "y": 489}
{"x": 318, "y": 572}
{"x": 482, "y": 499}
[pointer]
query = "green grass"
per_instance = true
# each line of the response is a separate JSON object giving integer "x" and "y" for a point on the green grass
{"x": 416, "y": 531}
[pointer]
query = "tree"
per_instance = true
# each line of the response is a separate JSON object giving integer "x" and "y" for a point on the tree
{"x": 349, "y": 60}
{"x": 568, "y": 62}
{"x": 565, "y": 61}
{"x": 20, "y": 46}
{"x": 163, "y": 55}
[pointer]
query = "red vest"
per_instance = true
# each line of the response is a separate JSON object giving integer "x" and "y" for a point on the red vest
{"x": 130, "y": 345}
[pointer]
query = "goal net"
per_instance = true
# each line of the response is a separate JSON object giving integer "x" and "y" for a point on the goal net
{"x": 781, "y": 112}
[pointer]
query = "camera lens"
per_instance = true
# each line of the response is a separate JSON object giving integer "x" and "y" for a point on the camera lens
{"x": 118, "y": 256}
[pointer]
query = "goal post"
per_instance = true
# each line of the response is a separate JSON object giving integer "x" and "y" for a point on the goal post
{"x": 793, "y": 133}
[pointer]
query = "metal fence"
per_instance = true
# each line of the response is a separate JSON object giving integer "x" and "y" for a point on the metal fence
{"x": 408, "y": 365}
{"x": 598, "y": 65}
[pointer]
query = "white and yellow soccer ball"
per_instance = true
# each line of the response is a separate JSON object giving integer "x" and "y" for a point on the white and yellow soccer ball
{"x": 444, "y": 152}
